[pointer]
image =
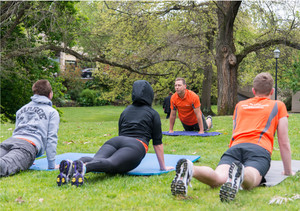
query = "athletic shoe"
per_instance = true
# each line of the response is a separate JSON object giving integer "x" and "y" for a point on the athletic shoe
{"x": 233, "y": 183}
{"x": 78, "y": 173}
{"x": 65, "y": 168}
{"x": 183, "y": 177}
{"x": 210, "y": 117}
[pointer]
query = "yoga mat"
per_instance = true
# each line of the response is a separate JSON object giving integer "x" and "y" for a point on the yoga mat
{"x": 275, "y": 176}
{"x": 190, "y": 133}
{"x": 148, "y": 166}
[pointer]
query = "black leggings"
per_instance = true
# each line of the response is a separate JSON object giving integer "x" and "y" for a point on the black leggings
{"x": 118, "y": 155}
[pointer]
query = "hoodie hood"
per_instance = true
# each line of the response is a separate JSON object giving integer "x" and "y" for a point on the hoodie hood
{"x": 41, "y": 99}
{"x": 142, "y": 93}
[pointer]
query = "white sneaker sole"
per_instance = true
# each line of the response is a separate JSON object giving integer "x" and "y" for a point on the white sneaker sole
{"x": 229, "y": 190}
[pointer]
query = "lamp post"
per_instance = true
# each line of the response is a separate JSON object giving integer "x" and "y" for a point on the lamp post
{"x": 276, "y": 56}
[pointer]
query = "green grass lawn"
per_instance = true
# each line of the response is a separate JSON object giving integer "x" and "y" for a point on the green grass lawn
{"x": 86, "y": 129}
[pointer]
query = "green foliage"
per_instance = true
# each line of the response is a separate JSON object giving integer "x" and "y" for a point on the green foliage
{"x": 258, "y": 22}
{"x": 170, "y": 39}
{"x": 28, "y": 25}
{"x": 137, "y": 37}
{"x": 291, "y": 76}
{"x": 72, "y": 81}
{"x": 87, "y": 97}
{"x": 60, "y": 112}
{"x": 86, "y": 129}
{"x": 16, "y": 82}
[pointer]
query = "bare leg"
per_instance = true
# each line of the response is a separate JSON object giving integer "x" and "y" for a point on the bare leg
{"x": 213, "y": 178}
{"x": 252, "y": 178}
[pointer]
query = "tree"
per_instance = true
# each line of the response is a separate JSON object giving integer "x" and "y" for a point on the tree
{"x": 156, "y": 40}
{"x": 25, "y": 27}
{"x": 157, "y": 37}
{"x": 292, "y": 74}
{"x": 227, "y": 58}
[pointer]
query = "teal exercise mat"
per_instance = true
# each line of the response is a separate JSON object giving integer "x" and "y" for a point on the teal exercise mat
{"x": 148, "y": 166}
{"x": 190, "y": 133}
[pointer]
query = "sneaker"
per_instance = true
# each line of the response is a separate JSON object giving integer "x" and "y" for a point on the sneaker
{"x": 183, "y": 177}
{"x": 233, "y": 183}
{"x": 210, "y": 117}
{"x": 78, "y": 173}
{"x": 65, "y": 168}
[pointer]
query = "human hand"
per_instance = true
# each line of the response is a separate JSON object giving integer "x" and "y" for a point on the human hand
{"x": 171, "y": 131}
{"x": 168, "y": 168}
{"x": 292, "y": 173}
{"x": 56, "y": 166}
{"x": 201, "y": 132}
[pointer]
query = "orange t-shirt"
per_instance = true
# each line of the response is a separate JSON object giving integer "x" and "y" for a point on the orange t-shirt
{"x": 186, "y": 106}
{"x": 255, "y": 121}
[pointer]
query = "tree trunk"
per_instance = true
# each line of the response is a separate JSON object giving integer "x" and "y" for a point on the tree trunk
{"x": 206, "y": 90}
{"x": 208, "y": 73}
{"x": 225, "y": 57}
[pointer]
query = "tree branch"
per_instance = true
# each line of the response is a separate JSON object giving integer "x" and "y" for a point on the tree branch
{"x": 20, "y": 14}
{"x": 27, "y": 51}
{"x": 181, "y": 7}
{"x": 266, "y": 44}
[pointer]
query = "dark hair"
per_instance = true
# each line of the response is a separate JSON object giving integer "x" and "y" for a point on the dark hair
{"x": 181, "y": 79}
{"x": 263, "y": 83}
{"x": 42, "y": 87}
{"x": 170, "y": 93}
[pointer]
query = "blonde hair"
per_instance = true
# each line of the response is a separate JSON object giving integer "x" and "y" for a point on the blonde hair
{"x": 263, "y": 83}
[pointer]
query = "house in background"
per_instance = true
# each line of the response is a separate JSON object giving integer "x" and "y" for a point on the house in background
{"x": 67, "y": 61}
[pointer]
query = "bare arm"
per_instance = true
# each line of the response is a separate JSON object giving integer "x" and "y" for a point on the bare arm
{"x": 199, "y": 119}
{"x": 159, "y": 150}
{"x": 284, "y": 145}
{"x": 172, "y": 120}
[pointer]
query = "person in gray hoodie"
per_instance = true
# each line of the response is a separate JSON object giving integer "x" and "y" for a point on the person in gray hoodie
{"x": 138, "y": 123}
{"x": 36, "y": 130}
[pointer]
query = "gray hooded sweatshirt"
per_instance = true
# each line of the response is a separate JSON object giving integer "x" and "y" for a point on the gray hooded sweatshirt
{"x": 38, "y": 121}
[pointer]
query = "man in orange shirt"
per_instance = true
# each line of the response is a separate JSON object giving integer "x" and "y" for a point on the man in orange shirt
{"x": 188, "y": 105}
{"x": 248, "y": 158}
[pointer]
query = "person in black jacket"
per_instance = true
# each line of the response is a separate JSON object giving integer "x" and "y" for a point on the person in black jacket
{"x": 166, "y": 105}
{"x": 138, "y": 123}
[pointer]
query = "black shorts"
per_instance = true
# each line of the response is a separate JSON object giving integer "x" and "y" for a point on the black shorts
{"x": 249, "y": 155}
{"x": 195, "y": 127}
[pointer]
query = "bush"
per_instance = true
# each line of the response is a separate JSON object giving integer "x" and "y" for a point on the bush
{"x": 87, "y": 97}
{"x": 73, "y": 83}
{"x": 100, "y": 101}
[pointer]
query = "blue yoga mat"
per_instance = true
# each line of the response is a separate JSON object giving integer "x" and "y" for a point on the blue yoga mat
{"x": 148, "y": 166}
{"x": 190, "y": 133}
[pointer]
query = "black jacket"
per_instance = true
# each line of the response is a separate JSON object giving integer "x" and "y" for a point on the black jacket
{"x": 140, "y": 120}
{"x": 166, "y": 105}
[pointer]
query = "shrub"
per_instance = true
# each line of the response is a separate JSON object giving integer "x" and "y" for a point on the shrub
{"x": 73, "y": 83}
{"x": 87, "y": 97}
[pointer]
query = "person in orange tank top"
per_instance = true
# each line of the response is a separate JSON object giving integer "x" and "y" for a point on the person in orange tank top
{"x": 248, "y": 158}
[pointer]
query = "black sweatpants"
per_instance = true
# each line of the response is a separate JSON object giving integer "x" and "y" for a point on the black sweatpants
{"x": 118, "y": 155}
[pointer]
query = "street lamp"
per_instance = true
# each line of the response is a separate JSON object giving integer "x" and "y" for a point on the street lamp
{"x": 276, "y": 56}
